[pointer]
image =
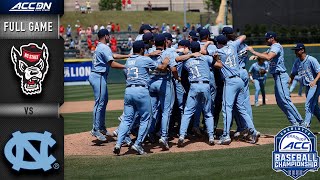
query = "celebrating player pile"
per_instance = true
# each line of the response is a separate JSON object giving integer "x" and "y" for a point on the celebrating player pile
{"x": 190, "y": 75}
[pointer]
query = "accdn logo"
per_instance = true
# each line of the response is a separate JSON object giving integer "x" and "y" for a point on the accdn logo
{"x": 32, "y": 6}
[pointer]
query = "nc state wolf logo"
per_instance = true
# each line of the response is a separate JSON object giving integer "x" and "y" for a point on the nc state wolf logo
{"x": 31, "y": 65}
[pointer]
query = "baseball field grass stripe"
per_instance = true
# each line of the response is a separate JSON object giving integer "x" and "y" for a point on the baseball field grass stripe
{"x": 268, "y": 119}
{"x": 116, "y": 91}
{"x": 240, "y": 164}
{"x": 81, "y": 122}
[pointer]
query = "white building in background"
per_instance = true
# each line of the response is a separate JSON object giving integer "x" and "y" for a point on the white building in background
{"x": 139, "y": 5}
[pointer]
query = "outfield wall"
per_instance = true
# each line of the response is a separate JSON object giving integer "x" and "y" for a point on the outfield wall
{"x": 76, "y": 71}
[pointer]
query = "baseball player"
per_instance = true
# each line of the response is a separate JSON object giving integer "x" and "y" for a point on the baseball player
{"x": 162, "y": 91}
{"x": 242, "y": 58}
{"x": 257, "y": 73}
{"x": 137, "y": 98}
{"x": 199, "y": 75}
{"x": 308, "y": 68}
{"x": 227, "y": 60}
{"x": 103, "y": 59}
{"x": 207, "y": 48}
{"x": 277, "y": 68}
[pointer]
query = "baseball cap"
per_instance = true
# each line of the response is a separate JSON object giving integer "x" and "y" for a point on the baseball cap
{"x": 227, "y": 30}
{"x": 270, "y": 34}
{"x": 144, "y": 27}
{"x": 137, "y": 45}
{"x": 159, "y": 38}
{"x": 147, "y": 37}
{"x": 199, "y": 29}
{"x": 184, "y": 43}
{"x": 195, "y": 46}
{"x": 298, "y": 46}
{"x": 204, "y": 32}
{"x": 221, "y": 39}
{"x": 168, "y": 36}
{"x": 102, "y": 33}
{"x": 193, "y": 33}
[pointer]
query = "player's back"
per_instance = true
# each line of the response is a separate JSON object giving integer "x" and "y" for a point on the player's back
{"x": 137, "y": 68}
{"x": 198, "y": 68}
{"x": 229, "y": 58}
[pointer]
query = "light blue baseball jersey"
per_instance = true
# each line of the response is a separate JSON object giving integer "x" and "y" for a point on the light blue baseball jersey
{"x": 242, "y": 54}
{"x": 229, "y": 58}
{"x": 198, "y": 68}
{"x": 138, "y": 70}
{"x": 159, "y": 59}
{"x": 255, "y": 69}
{"x": 101, "y": 56}
{"x": 307, "y": 69}
{"x": 211, "y": 48}
{"x": 277, "y": 63}
{"x": 179, "y": 64}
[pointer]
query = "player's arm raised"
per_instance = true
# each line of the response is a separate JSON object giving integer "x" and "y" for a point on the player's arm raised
{"x": 204, "y": 48}
{"x": 268, "y": 56}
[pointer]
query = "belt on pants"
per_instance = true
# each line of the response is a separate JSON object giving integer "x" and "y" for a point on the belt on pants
{"x": 233, "y": 76}
{"x": 200, "y": 82}
{"x": 278, "y": 73}
{"x": 137, "y": 85}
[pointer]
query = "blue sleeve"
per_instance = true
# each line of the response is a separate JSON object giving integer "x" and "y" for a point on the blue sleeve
{"x": 210, "y": 60}
{"x": 275, "y": 48}
{"x": 172, "y": 62}
{"x": 295, "y": 67}
{"x": 315, "y": 65}
{"x": 236, "y": 43}
{"x": 251, "y": 68}
{"x": 211, "y": 49}
{"x": 107, "y": 54}
{"x": 149, "y": 63}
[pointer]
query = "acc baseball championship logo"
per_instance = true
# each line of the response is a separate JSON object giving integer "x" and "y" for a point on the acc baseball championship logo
{"x": 21, "y": 142}
{"x": 295, "y": 152}
{"x": 31, "y": 65}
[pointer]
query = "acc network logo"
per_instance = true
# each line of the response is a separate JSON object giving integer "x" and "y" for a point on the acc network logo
{"x": 32, "y": 6}
{"x": 21, "y": 141}
{"x": 295, "y": 152}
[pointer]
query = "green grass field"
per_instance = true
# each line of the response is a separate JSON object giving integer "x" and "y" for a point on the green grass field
{"x": 116, "y": 91}
{"x": 135, "y": 18}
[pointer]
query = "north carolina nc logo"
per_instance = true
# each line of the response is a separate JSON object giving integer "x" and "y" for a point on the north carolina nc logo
{"x": 31, "y": 65}
{"x": 295, "y": 152}
{"x": 21, "y": 142}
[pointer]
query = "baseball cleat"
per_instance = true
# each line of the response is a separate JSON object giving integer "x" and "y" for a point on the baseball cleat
{"x": 211, "y": 141}
{"x": 224, "y": 140}
{"x": 105, "y": 132}
{"x": 255, "y": 137}
{"x": 180, "y": 141}
{"x": 127, "y": 141}
{"x": 164, "y": 144}
{"x": 116, "y": 149}
{"x": 98, "y": 135}
{"x": 139, "y": 149}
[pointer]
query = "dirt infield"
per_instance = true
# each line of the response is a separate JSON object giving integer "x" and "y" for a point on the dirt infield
{"x": 87, "y": 106}
{"x": 84, "y": 144}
